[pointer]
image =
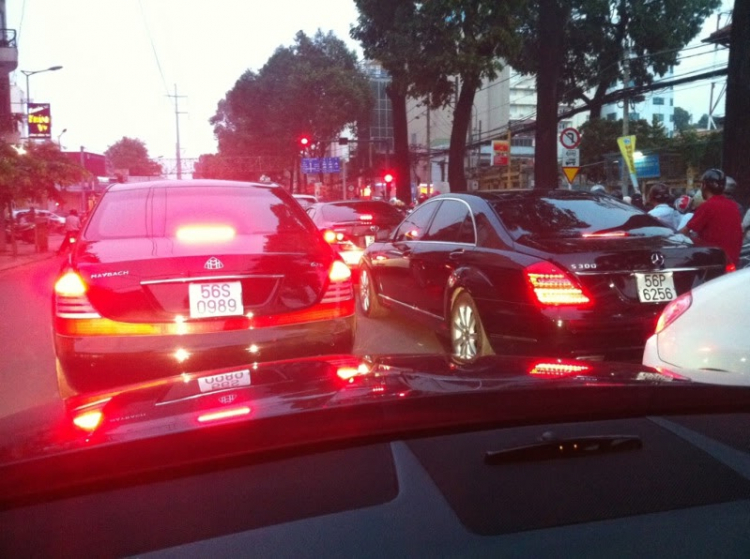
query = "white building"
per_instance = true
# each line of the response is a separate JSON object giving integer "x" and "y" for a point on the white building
{"x": 656, "y": 107}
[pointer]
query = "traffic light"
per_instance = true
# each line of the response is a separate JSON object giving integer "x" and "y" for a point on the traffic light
{"x": 304, "y": 142}
{"x": 388, "y": 179}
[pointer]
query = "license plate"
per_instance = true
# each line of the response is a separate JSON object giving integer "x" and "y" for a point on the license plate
{"x": 656, "y": 287}
{"x": 369, "y": 239}
{"x": 215, "y": 299}
{"x": 224, "y": 381}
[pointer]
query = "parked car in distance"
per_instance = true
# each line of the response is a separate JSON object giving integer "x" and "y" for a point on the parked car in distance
{"x": 704, "y": 334}
{"x": 351, "y": 225}
{"x": 305, "y": 200}
{"x": 178, "y": 276}
{"x": 55, "y": 222}
{"x": 555, "y": 272}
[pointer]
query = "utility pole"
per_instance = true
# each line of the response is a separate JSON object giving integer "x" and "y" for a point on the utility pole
{"x": 626, "y": 118}
{"x": 429, "y": 150}
{"x": 177, "y": 114}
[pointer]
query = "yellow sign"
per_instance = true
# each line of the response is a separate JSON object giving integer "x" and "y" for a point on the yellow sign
{"x": 627, "y": 148}
{"x": 571, "y": 173}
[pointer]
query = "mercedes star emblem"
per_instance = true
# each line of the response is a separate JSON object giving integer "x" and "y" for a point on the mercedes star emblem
{"x": 657, "y": 259}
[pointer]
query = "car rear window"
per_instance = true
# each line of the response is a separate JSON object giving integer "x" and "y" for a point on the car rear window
{"x": 160, "y": 212}
{"x": 571, "y": 216}
{"x": 380, "y": 211}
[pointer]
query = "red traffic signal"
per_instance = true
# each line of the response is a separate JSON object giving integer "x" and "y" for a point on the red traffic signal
{"x": 304, "y": 141}
{"x": 388, "y": 178}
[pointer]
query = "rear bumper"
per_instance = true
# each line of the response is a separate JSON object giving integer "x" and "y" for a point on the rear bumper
{"x": 577, "y": 334}
{"x": 104, "y": 362}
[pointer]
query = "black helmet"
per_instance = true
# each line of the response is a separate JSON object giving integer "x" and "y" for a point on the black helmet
{"x": 730, "y": 186}
{"x": 660, "y": 193}
{"x": 714, "y": 181}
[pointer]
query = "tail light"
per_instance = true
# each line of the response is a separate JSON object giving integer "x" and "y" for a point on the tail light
{"x": 731, "y": 268}
{"x": 88, "y": 420}
{"x": 332, "y": 236}
{"x": 70, "y": 297}
{"x": 340, "y": 284}
{"x": 673, "y": 311}
{"x": 554, "y": 287}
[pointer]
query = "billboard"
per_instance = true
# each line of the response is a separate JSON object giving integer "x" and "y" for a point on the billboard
{"x": 40, "y": 120}
{"x": 500, "y": 152}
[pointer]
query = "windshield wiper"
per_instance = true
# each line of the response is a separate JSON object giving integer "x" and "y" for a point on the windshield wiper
{"x": 570, "y": 447}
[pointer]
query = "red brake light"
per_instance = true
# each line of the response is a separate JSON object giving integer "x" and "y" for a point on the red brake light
{"x": 223, "y": 414}
{"x": 88, "y": 420}
{"x": 339, "y": 272}
{"x": 673, "y": 311}
{"x": 553, "y": 287}
{"x": 731, "y": 268}
{"x": 365, "y": 217}
{"x": 203, "y": 234}
{"x": 70, "y": 284}
{"x": 329, "y": 236}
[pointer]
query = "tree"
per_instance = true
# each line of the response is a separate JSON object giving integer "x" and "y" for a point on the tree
{"x": 736, "y": 162}
{"x": 682, "y": 119}
{"x": 33, "y": 174}
{"x": 702, "y": 123}
{"x": 131, "y": 154}
{"x": 441, "y": 51}
{"x": 312, "y": 88}
{"x": 385, "y": 28}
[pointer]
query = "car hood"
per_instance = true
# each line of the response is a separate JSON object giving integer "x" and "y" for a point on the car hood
{"x": 296, "y": 406}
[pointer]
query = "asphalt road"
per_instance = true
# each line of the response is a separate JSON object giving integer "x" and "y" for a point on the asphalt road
{"x": 27, "y": 363}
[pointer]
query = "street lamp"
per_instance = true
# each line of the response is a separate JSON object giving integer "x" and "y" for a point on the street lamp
{"x": 59, "y": 143}
{"x": 28, "y": 73}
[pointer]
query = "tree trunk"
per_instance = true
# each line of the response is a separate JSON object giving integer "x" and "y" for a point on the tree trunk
{"x": 735, "y": 160}
{"x": 551, "y": 27}
{"x": 461, "y": 122}
{"x": 401, "y": 166}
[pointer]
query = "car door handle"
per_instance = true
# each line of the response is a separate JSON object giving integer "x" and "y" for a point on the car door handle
{"x": 455, "y": 254}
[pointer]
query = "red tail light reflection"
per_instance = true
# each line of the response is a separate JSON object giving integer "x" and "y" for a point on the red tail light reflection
{"x": 673, "y": 311}
{"x": 558, "y": 369}
{"x": 607, "y": 235}
{"x": 223, "y": 414}
{"x": 88, "y": 420}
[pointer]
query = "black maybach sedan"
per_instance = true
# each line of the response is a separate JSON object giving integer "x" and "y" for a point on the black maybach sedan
{"x": 179, "y": 276}
{"x": 555, "y": 272}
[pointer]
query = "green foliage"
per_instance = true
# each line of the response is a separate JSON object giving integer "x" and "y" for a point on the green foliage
{"x": 313, "y": 87}
{"x": 699, "y": 151}
{"x": 682, "y": 119}
{"x": 595, "y": 37}
{"x": 131, "y": 154}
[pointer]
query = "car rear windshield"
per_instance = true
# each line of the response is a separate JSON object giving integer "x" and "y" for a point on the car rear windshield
{"x": 161, "y": 212}
{"x": 571, "y": 216}
{"x": 355, "y": 211}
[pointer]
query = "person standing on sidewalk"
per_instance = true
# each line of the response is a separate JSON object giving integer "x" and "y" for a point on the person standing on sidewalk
{"x": 717, "y": 221}
{"x": 71, "y": 229}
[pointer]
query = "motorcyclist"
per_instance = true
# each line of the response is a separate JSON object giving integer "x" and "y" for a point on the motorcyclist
{"x": 682, "y": 205}
{"x": 72, "y": 227}
{"x": 659, "y": 197}
{"x": 717, "y": 221}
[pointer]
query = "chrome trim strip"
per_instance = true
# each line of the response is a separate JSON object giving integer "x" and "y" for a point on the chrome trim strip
{"x": 410, "y": 307}
{"x": 629, "y": 272}
{"x": 212, "y": 278}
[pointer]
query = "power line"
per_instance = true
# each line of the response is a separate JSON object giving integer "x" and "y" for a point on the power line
{"x": 153, "y": 46}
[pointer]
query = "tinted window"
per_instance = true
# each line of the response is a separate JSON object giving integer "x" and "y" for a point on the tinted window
{"x": 415, "y": 225}
{"x": 452, "y": 224}
{"x": 352, "y": 211}
{"x": 161, "y": 212}
{"x": 571, "y": 216}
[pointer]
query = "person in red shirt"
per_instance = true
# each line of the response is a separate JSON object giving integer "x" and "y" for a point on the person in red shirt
{"x": 717, "y": 221}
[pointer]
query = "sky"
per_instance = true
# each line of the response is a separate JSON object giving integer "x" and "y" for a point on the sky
{"x": 122, "y": 59}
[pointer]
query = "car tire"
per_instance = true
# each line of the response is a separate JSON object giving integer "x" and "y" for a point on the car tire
{"x": 369, "y": 303}
{"x": 467, "y": 336}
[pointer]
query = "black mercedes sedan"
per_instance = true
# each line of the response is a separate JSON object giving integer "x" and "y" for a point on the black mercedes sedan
{"x": 549, "y": 272}
{"x": 170, "y": 277}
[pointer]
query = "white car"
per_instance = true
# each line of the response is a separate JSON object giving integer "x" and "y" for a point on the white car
{"x": 305, "y": 200}
{"x": 705, "y": 333}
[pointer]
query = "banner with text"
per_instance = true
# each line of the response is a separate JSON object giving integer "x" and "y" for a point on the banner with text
{"x": 40, "y": 120}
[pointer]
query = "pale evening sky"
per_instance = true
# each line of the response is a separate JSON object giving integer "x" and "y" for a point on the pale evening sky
{"x": 111, "y": 85}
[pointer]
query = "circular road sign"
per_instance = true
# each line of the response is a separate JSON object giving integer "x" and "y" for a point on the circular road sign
{"x": 570, "y": 138}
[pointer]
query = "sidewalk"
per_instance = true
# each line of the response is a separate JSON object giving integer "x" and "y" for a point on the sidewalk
{"x": 27, "y": 253}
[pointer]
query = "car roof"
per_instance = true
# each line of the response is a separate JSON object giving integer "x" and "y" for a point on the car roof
{"x": 116, "y": 187}
{"x": 520, "y": 193}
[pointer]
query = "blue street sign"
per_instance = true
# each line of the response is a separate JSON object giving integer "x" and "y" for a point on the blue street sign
{"x": 312, "y": 165}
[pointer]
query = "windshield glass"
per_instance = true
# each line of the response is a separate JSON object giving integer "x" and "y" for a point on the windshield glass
{"x": 563, "y": 217}
{"x": 236, "y": 232}
{"x": 358, "y": 211}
